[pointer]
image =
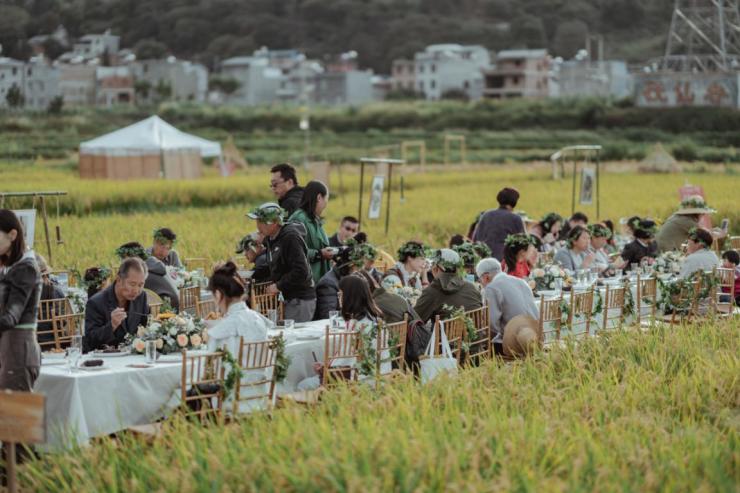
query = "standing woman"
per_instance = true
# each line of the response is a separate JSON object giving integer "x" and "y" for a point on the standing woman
{"x": 20, "y": 290}
{"x": 314, "y": 201}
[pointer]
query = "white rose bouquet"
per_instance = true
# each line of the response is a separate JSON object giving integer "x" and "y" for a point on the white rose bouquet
{"x": 668, "y": 263}
{"x": 545, "y": 277}
{"x": 171, "y": 332}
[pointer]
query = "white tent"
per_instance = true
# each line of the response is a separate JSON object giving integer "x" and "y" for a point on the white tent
{"x": 150, "y": 148}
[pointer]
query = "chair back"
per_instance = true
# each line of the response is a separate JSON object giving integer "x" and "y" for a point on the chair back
{"x": 341, "y": 350}
{"x": 257, "y": 361}
{"x": 685, "y": 303}
{"x": 48, "y": 309}
{"x": 195, "y": 263}
{"x": 155, "y": 302}
{"x": 391, "y": 347}
{"x": 455, "y": 330}
{"x": 480, "y": 347}
{"x": 581, "y": 309}
{"x": 262, "y": 303}
{"x": 66, "y": 326}
{"x": 202, "y": 386}
{"x": 735, "y": 242}
{"x": 551, "y": 319}
{"x": 189, "y": 298}
{"x": 613, "y": 307}
{"x": 725, "y": 279}
{"x": 647, "y": 297}
{"x": 65, "y": 277}
{"x": 206, "y": 307}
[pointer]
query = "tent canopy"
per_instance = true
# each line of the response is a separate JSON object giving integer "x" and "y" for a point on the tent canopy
{"x": 150, "y": 136}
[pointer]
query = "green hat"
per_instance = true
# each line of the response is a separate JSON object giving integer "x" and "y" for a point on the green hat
{"x": 449, "y": 260}
{"x": 268, "y": 213}
{"x": 249, "y": 242}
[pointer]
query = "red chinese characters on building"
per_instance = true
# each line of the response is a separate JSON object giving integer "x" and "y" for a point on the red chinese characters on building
{"x": 684, "y": 94}
{"x": 715, "y": 94}
{"x": 654, "y": 92}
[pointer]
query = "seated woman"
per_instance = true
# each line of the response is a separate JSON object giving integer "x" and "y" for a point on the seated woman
{"x": 700, "y": 258}
{"x": 162, "y": 247}
{"x": 411, "y": 267}
{"x": 643, "y": 246}
{"x": 49, "y": 291}
{"x": 239, "y": 323}
{"x": 392, "y": 306}
{"x": 600, "y": 235}
{"x": 575, "y": 255}
{"x": 517, "y": 249}
{"x": 611, "y": 246}
{"x": 157, "y": 280}
{"x": 546, "y": 231}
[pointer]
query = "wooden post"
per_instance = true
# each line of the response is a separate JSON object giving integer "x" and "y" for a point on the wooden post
{"x": 388, "y": 198}
{"x": 573, "y": 194}
{"x": 46, "y": 229}
{"x": 22, "y": 420}
{"x": 362, "y": 182}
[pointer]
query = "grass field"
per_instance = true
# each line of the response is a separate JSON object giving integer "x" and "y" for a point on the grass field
{"x": 629, "y": 411}
{"x": 208, "y": 214}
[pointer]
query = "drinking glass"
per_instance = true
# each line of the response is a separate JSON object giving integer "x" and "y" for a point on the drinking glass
{"x": 334, "y": 319}
{"x": 594, "y": 275}
{"x": 559, "y": 284}
{"x": 151, "y": 351}
{"x": 618, "y": 273}
{"x": 289, "y": 324}
{"x": 272, "y": 316}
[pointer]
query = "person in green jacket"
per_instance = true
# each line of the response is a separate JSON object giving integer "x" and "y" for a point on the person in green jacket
{"x": 314, "y": 201}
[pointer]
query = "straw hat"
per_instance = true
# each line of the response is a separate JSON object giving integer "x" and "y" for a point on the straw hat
{"x": 521, "y": 335}
{"x": 694, "y": 205}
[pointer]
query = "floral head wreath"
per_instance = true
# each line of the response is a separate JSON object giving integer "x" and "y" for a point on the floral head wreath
{"x": 413, "y": 249}
{"x": 572, "y": 236}
{"x": 599, "y": 231}
{"x": 693, "y": 236}
{"x": 694, "y": 202}
{"x": 635, "y": 224}
{"x": 95, "y": 276}
{"x": 131, "y": 251}
{"x": 159, "y": 237}
{"x": 481, "y": 249}
{"x": 268, "y": 213}
{"x": 467, "y": 253}
{"x": 360, "y": 252}
{"x": 447, "y": 259}
{"x": 518, "y": 240}
{"x": 550, "y": 219}
{"x": 647, "y": 226}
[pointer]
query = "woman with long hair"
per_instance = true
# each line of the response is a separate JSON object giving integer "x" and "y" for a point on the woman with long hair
{"x": 314, "y": 202}
{"x": 518, "y": 250}
{"x": 576, "y": 254}
{"x": 546, "y": 231}
{"x": 20, "y": 290}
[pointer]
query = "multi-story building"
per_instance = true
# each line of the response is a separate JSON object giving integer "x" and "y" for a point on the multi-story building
{"x": 584, "y": 78}
{"x": 258, "y": 81}
{"x": 445, "y": 67}
{"x": 351, "y": 87}
{"x": 41, "y": 84}
{"x": 187, "y": 81}
{"x": 78, "y": 84}
{"x": 518, "y": 74}
{"x": 403, "y": 75}
{"x": 114, "y": 86}
{"x": 11, "y": 74}
{"x": 95, "y": 45}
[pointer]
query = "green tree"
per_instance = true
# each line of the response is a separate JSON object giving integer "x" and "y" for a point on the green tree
{"x": 529, "y": 32}
{"x": 141, "y": 88}
{"x": 14, "y": 97}
{"x": 226, "y": 85}
{"x": 148, "y": 49}
{"x": 403, "y": 94}
{"x": 55, "y": 105}
{"x": 163, "y": 90}
{"x": 569, "y": 38}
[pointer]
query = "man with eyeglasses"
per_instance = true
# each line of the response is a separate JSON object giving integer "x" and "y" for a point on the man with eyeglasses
{"x": 347, "y": 229}
{"x": 284, "y": 185}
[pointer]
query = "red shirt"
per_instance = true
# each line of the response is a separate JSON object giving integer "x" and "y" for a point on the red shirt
{"x": 521, "y": 270}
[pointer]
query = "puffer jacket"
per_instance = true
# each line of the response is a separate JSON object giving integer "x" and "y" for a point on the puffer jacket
{"x": 447, "y": 289}
{"x": 327, "y": 295}
{"x": 20, "y": 291}
{"x": 286, "y": 254}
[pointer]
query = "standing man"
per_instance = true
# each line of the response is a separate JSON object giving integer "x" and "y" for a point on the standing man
{"x": 347, "y": 229}
{"x": 496, "y": 224}
{"x": 290, "y": 273}
{"x": 506, "y": 296}
{"x": 162, "y": 247}
{"x": 284, "y": 185}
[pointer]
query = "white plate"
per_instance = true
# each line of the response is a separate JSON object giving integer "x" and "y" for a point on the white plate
{"x": 54, "y": 356}
{"x": 52, "y": 362}
{"x": 548, "y": 293}
{"x": 101, "y": 354}
{"x": 307, "y": 337}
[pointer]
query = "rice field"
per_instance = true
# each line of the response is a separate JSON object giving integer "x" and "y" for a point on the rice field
{"x": 628, "y": 411}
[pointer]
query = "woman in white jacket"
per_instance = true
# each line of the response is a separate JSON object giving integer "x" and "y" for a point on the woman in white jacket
{"x": 239, "y": 323}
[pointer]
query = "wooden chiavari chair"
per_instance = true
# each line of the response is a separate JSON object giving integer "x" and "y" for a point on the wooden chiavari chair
{"x": 647, "y": 297}
{"x": 202, "y": 386}
{"x": 261, "y": 301}
{"x": 189, "y": 298}
{"x": 154, "y": 301}
{"x": 47, "y": 310}
{"x": 481, "y": 347}
{"x": 613, "y": 300}
{"x": 551, "y": 312}
{"x": 391, "y": 348}
{"x": 725, "y": 279}
{"x": 685, "y": 305}
{"x": 196, "y": 263}
{"x": 206, "y": 307}
{"x": 581, "y": 309}
{"x": 455, "y": 330}
{"x": 256, "y": 388}
{"x": 735, "y": 242}
{"x": 66, "y": 326}
{"x": 340, "y": 357}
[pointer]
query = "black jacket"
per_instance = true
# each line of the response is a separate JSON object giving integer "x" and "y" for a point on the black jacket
{"x": 327, "y": 295}
{"x": 634, "y": 252}
{"x": 291, "y": 200}
{"x": 20, "y": 291}
{"x": 98, "y": 329}
{"x": 334, "y": 241}
{"x": 289, "y": 267}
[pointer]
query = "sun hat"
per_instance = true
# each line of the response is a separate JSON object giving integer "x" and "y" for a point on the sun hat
{"x": 268, "y": 213}
{"x": 521, "y": 336}
{"x": 694, "y": 204}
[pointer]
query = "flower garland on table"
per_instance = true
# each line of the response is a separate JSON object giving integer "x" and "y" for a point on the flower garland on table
{"x": 545, "y": 277}
{"x": 629, "y": 299}
{"x": 184, "y": 278}
{"x": 78, "y": 301}
{"x": 282, "y": 360}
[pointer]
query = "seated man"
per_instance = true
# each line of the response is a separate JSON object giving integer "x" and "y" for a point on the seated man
{"x": 507, "y": 297}
{"x": 731, "y": 260}
{"x": 347, "y": 229}
{"x": 157, "y": 280}
{"x": 447, "y": 288}
{"x": 393, "y": 306}
{"x": 700, "y": 257}
{"x": 119, "y": 309}
{"x": 161, "y": 249}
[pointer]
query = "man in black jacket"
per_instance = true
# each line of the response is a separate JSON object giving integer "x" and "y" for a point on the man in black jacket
{"x": 284, "y": 185}
{"x": 347, "y": 229}
{"x": 119, "y": 309}
{"x": 286, "y": 254}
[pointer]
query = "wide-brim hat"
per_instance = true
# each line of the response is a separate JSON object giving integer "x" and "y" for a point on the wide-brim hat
{"x": 521, "y": 336}
{"x": 694, "y": 205}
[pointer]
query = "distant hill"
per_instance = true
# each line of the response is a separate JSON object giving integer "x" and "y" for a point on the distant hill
{"x": 380, "y": 30}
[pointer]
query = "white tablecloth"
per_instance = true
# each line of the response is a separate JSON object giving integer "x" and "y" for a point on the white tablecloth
{"x": 86, "y": 404}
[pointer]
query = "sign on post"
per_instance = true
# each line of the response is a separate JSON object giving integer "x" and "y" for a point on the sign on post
{"x": 376, "y": 197}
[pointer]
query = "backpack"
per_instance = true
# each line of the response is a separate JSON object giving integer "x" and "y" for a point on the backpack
{"x": 417, "y": 340}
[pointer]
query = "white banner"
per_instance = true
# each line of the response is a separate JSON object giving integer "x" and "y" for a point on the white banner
{"x": 376, "y": 197}
{"x": 28, "y": 221}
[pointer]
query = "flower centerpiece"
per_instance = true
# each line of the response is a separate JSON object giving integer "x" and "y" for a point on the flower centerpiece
{"x": 668, "y": 263}
{"x": 546, "y": 277}
{"x": 184, "y": 278}
{"x": 172, "y": 333}
{"x": 393, "y": 284}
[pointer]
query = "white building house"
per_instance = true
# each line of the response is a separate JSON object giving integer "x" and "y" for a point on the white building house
{"x": 41, "y": 84}
{"x": 583, "y": 78}
{"x": 95, "y": 45}
{"x": 11, "y": 74}
{"x": 78, "y": 84}
{"x": 351, "y": 87}
{"x": 188, "y": 81}
{"x": 444, "y": 67}
{"x": 258, "y": 81}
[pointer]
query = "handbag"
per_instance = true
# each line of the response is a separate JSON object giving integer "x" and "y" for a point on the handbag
{"x": 434, "y": 365}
